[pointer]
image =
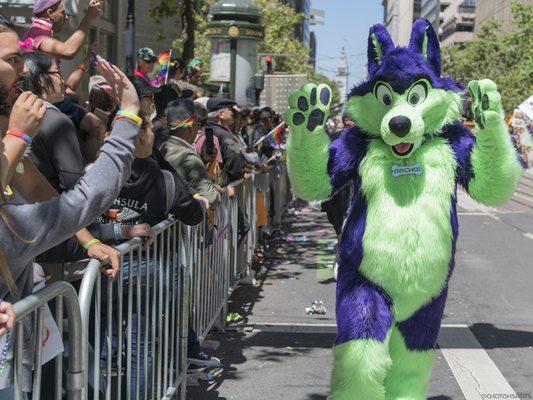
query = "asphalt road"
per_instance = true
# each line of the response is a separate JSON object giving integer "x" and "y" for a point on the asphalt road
{"x": 486, "y": 343}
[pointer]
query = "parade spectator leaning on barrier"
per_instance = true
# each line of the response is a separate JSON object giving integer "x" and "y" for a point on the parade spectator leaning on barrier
{"x": 263, "y": 125}
{"x": 220, "y": 117}
{"x": 19, "y": 112}
{"x": 56, "y": 162}
{"x": 179, "y": 152}
{"x": 27, "y": 230}
{"x": 207, "y": 145}
{"x": 50, "y": 19}
{"x": 148, "y": 197}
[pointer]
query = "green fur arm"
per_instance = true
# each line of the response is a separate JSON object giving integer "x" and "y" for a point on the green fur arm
{"x": 494, "y": 162}
{"x": 308, "y": 143}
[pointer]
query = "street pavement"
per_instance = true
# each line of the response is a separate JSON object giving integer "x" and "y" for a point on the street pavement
{"x": 486, "y": 343}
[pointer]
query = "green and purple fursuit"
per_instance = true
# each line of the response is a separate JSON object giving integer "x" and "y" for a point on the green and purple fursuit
{"x": 405, "y": 157}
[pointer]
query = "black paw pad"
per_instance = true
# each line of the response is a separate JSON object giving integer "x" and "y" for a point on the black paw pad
{"x": 298, "y": 118}
{"x": 485, "y": 102}
{"x": 312, "y": 97}
{"x": 316, "y": 118}
{"x": 303, "y": 105}
{"x": 324, "y": 96}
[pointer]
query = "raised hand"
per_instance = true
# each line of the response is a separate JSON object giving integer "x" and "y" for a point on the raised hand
{"x": 122, "y": 88}
{"x": 7, "y": 317}
{"x": 309, "y": 109}
{"x": 27, "y": 114}
{"x": 308, "y": 143}
{"x": 95, "y": 9}
{"x": 486, "y": 103}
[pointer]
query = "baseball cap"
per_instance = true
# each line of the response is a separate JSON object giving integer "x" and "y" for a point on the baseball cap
{"x": 195, "y": 62}
{"x": 181, "y": 113}
{"x": 146, "y": 54}
{"x": 42, "y": 5}
{"x": 218, "y": 103}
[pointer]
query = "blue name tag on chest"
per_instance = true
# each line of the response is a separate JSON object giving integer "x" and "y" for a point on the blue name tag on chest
{"x": 400, "y": 170}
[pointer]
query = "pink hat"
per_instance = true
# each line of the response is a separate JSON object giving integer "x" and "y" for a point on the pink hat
{"x": 41, "y": 5}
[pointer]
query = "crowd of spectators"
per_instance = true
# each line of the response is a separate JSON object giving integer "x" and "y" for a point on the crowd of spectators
{"x": 108, "y": 168}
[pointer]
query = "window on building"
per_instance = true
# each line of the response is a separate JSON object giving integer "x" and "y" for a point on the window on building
{"x": 109, "y": 10}
{"x": 106, "y": 45}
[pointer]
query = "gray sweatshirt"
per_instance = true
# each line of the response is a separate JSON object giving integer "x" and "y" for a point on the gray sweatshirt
{"x": 51, "y": 222}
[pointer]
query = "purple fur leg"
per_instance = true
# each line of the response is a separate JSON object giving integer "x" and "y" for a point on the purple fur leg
{"x": 363, "y": 310}
{"x": 420, "y": 332}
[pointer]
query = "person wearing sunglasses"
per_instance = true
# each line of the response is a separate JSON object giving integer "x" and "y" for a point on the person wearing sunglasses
{"x": 146, "y": 59}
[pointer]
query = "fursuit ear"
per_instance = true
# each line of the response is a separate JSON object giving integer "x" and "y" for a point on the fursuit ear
{"x": 379, "y": 44}
{"x": 425, "y": 42}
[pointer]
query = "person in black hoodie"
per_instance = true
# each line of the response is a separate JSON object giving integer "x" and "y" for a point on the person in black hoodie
{"x": 151, "y": 194}
{"x": 148, "y": 197}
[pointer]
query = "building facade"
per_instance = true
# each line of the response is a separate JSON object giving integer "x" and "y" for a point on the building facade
{"x": 458, "y": 21}
{"x": 303, "y": 30}
{"x": 398, "y": 17}
{"x": 498, "y": 10}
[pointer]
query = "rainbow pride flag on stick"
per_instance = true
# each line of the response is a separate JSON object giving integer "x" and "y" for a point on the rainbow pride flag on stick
{"x": 274, "y": 138}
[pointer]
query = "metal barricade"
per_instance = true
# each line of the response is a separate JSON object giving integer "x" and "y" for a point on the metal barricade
{"x": 137, "y": 346}
{"x": 209, "y": 260}
{"x": 30, "y": 312}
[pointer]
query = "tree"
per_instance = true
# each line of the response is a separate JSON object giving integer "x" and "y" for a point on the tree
{"x": 184, "y": 12}
{"x": 504, "y": 57}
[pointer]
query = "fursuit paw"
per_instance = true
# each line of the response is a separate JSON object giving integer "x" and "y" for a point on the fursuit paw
{"x": 486, "y": 104}
{"x": 309, "y": 110}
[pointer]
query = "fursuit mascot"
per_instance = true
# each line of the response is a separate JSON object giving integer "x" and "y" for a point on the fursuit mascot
{"x": 405, "y": 157}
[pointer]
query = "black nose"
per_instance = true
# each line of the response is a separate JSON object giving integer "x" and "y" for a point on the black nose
{"x": 400, "y": 125}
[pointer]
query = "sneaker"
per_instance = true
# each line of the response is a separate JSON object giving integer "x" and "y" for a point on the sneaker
{"x": 204, "y": 359}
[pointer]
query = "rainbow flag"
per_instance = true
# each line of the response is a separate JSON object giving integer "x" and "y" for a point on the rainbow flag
{"x": 164, "y": 61}
{"x": 276, "y": 138}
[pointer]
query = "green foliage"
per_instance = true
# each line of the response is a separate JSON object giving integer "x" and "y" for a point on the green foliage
{"x": 280, "y": 22}
{"x": 165, "y": 9}
{"x": 503, "y": 56}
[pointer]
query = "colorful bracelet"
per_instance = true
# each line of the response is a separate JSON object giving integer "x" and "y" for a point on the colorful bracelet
{"x": 82, "y": 68}
{"x": 197, "y": 196}
{"x": 87, "y": 245}
{"x": 117, "y": 231}
{"x": 131, "y": 116}
{"x": 22, "y": 135}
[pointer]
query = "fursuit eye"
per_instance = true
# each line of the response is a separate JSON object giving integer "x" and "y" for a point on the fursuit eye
{"x": 383, "y": 94}
{"x": 417, "y": 94}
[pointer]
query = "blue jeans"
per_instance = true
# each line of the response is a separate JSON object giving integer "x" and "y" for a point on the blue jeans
{"x": 144, "y": 340}
{"x": 9, "y": 393}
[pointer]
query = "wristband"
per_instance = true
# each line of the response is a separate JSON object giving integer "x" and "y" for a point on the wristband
{"x": 197, "y": 196}
{"x": 131, "y": 116}
{"x": 87, "y": 245}
{"x": 82, "y": 68}
{"x": 117, "y": 231}
{"x": 22, "y": 135}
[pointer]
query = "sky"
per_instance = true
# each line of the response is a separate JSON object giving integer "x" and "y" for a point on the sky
{"x": 346, "y": 24}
